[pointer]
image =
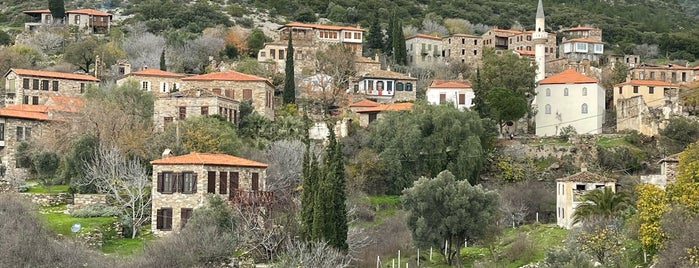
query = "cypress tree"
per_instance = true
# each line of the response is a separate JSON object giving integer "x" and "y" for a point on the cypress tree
{"x": 289, "y": 94}
{"x": 399, "y": 52}
{"x": 388, "y": 46}
{"x": 375, "y": 38}
{"x": 162, "y": 61}
{"x": 339, "y": 210}
{"x": 58, "y": 9}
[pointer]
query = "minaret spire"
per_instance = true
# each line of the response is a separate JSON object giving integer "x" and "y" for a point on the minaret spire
{"x": 540, "y": 38}
{"x": 540, "y": 10}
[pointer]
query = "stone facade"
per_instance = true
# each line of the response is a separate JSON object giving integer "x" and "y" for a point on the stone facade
{"x": 385, "y": 86}
{"x": 671, "y": 73}
{"x": 260, "y": 91}
{"x": 23, "y": 86}
{"x": 85, "y": 200}
{"x": 423, "y": 50}
{"x": 46, "y": 200}
{"x": 193, "y": 102}
{"x": 654, "y": 93}
{"x": 87, "y": 20}
{"x": 463, "y": 48}
{"x": 153, "y": 80}
{"x": 633, "y": 114}
{"x": 211, "y": 175}
{"x": 13, "y": 131}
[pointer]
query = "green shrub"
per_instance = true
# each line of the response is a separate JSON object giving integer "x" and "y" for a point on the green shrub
{"x": 98, "y": 210}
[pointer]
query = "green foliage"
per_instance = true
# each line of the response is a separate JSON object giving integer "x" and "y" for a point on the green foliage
{"x": 651, "y": 204}
{"x": 207, "y": 134}
{"x": 443, "y": 209}
{"x": 604, "y": 203}
{"x": 679, "y": 133}
{"x": 400, "y": 55}
{"x": 510, "y": 170}
{"x": 23, "y": 155}
{"x": 305, "y": 14}
{"x": 567, "y": 132}
{"x": 5, "y": 39}
{"x": 163, "y": 15}
{"x": 289, "y": 94}
{"x": 230, "y": 51}
{"x": 97, "y": 210}
{"x": 375, "y": 36}
{"x": 82, "y": 53}
{"x": 80, "y": 153}
{"x": 602, "y": 242}
{"x": 45, "y": 164}
{"x": 685, "y": 191}
{"x": 57, "y": 8}
{"x": 163, "y": 65}
{"x": 620, "y": 159}
{"x": 506, "y": 105}
{"x": 256, "y": 41}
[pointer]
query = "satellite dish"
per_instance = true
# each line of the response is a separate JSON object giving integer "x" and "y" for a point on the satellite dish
{"x": 76, "y": 227}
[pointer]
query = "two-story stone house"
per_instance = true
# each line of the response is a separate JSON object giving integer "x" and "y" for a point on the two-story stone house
{"x": 464, "y": 48}
{"x": 87, "y": 20}
{"x": 236, "y": 86}
{"x": 580, "y": 49}
{"x": 671, "y": 73}
{"x": 584, "y": 32}
{"x": 182, "y": 183}
{"x": 307, "y": 39}
{"x": 24, "y": 86}
{"x": 385, "y": 86}
{"x": 654, "y": 93}
{"x": 154, "y": 80}
{"x": 373, "y": 113}
{"x": 193, "y": 102}
{"x": 423, "y": 50}
{"x": 570, "y": 189}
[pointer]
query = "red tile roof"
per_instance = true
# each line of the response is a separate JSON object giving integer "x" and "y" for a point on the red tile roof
{"x": 88, "y": 11}
{"x": 65, "y": 103}
{"x": 583, "y": 40}
{"x": 425, "y": 36}
{"x": 208, "y": 159}
{"x": 321, "y": 26}
{"x": 36, "y": 112}
{"x": 648, "y": 83}
{"x": 569, "y": 76}
{"x": 225, "y": 76}
{"x": 365, "y": 103}
{"x": 579, "y": 28}
{"x": 450, "y": 84}
{"x": 586, "y": 176}
{"x": 156, "y": 72}
{"x": 50, "y": 74}
{"x": 388, "y": 107}
{"x": 525, "y": 52}
{"x": 37, "y": 11}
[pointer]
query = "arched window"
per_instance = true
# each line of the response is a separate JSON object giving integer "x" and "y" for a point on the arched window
{"x": 584, "y": 108}
{"x": 399, "y": 86}
{"x": 584, "y": 91}
{"x": 548, "y": 92}
{"x": 548, "y": 109}
{"x": 408, "y": 86}
{"x": 565, "y": 92}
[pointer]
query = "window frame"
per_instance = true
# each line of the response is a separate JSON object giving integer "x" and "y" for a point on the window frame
{"x": 164, "y": 219}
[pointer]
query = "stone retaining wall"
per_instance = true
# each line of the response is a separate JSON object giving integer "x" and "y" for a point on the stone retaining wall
{"x": 49, "y": 199}
{"x": 83, "y": 200}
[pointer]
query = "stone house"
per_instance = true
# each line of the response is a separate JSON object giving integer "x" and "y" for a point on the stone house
{"x": 385, "y": 86}
{"x": 193, "y": 102}
{"x": 423, "y": 50}
{"x": 633, "y": 114}
{"x": 154, "y": 80}
{"x": 585, "y": 32}
{"x": 24, "y": 86}
{"x": 367, "y": 64}
{"x": 655, "y": 93}
{"x": 463, "y": 48}
{"x": 371, "y": 114}
{"x": 569, "y": 99}
{"x": 580, "y": 49}
{"x": 236, "y": 86}
{"x": 571, "y": 188}
{"x": 456, "y": 92}
{"x": 307, "y": 39}
{"x": 87, "y": 20}
{"x": 671, "y": 73}
{"x": 182, "y": 184}
{"x": 668, "y": 172}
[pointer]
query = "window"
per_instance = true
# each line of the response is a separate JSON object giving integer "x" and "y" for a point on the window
{"x": 548, "y": 92}
{"x": 584, "y": 108}
{"x": 635, "y": 89}
{"x": 164, "y": 219}
{"x": 211, "y": 182}
{"x": 620, "y": 90}
{"x": 281, "y": 54}
{"x": 175, "y": 86}
{"x": 442, "y": 98}
{"x": 475, "y": 52}
{"x": 651, "y": 90}
{"x": 25, "y": 99}
{"x": 463, "y": 40}
{"x": 35, "y": 84}
{"x": 205, "y": 110}
{"x": 408, "y": 87}
{"x": 189, "y": 182}
{"x": 2, "y": 131}
{"x": 185, "y": 214}
{"x": 463, "y": 52}
{"x": 247, "y": 94}
{"x": 399, "y": 86}
{"x": 25, "y": 83}
{"x": 77, "y": 21}
{"x": 55, "y": 85}
{"x": 255, "y": 184}
{"x": 389, "y": 85}
{"x": 235, "y": 181}
{"x": 166, "y": 182}
{"x": 166, "y": 121}
{"x": 145, "y": 85}
{"x": 24, "y": 133}
{"x": 182, "y": 112}
{"x": 163, "y": 87}
{"x": 584, "y": 91}
{"x": 348, "y": 35}
{"x": 272, "y": 53}
{"x": 548, "y": 109}
{"x": 475, "y": 42}
{"x": 462, "y": 99}
{"x": 44, "y": 84}
{"x": 82, "y": 88}
{"x": 35, "y": 100}
{"x": 223, "y": 182}
{"x": 565, "y": 92}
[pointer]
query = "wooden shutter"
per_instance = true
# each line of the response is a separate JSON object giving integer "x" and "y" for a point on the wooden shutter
{"x": 462, "y": 99}
{"x": 159, "y": 221}
{"x": 442, "y": 98}
{"x": 194, "y": 183}
{"x": 223, "y": 184}
{"x": 159, "y": 183}
{"x": 211, "y": 182}
{"x": 180, "y": 182}
{"x": 255, "y": 181}
{"x": 235, "y": 181}
{"x": 167, "y": 214}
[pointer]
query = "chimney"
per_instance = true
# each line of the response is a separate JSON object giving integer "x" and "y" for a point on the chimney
{"x": 583, "y": 167}
{"x": 145, "y": 67}
{"x": 167, "y": 153}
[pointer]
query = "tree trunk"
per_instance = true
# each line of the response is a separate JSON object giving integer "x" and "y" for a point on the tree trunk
{"x": 457, "y": 258}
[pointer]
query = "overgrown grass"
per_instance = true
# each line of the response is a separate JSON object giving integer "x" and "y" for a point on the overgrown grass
{"x": 53, "y": 189}
{"x": 385, "y": 200}
{"x": 606, "y": 142}
{"x": 125, "y": 246}
{"x": 60, "y": 223}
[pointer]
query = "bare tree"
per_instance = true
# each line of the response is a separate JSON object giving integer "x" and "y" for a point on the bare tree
{"x": 317, "y": 254}
{"x": 458, "y": 26}
{"x": 432, "y": 27}
{"x": 337, "y": 61}
{"x": 285, "y": 159}
{"x": 646, "y": 51}
{"x": 143, "y": 49}
{"x": 257, "y": 234}
{"x": 410, "y": 30}
{"x": 48, "y": 40}
{"x": 125, "y": 180}
{"x": 194, "y": 55}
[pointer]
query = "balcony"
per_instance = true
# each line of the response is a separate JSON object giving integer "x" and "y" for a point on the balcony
{"x": 251, "y": 198}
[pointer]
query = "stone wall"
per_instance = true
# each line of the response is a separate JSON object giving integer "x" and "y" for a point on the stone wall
{"x": 5, "y": 186}
{"x": 66, "y": 87}
{"x": 45, "y": 200}
{"x": 633, "y": 114}
{"x": 11, "y": 142}
{"x": 83, "y": 200}
{"x": 169, "y": 108}
{"x": 262, "y": 92}
{"x": 154, "y": 83}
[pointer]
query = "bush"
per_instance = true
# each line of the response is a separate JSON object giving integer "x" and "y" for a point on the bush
{"x": 560, "y": 257}
{"x": 522, "y": 249}
{"x": 98, "y": 210}
{"x": 567, "y": 132}
{"x": 619, "y": 159}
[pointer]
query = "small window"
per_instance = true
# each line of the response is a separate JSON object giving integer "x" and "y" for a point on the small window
{"x": 2, "y": 131}
{"x": 35, "y": 84}
{"x": 235, "y": 181}
{"x": 145, "y": 85}
{"x": 442, "y": 98}
{"x": 182, "y": 112}
{"x": 45, "y": 85}
{"x": 25, "y": 99}
{"x": 223, "y": 182}
{"x": 35, "y": 100}
{"x": 255, "y": 183}
{"x": 205, "y": 110}
{"x": 20, "y": 133}
{"x": 584, "y": 108}
{"x": 408, "y": 87}
{"x": 185, "y": 214}
{"x": 166, "y": 121}
{"x": 399, "y": 86}
{"x": 211, "y": 182}
{"x": 548, "y": 109}
{"x": 25, "y": 83}
{"x": 548, "y": 92}
{"x": 580, "y": 187}
{"x": 635, "y": 89}
{"x": 189, "y": 182}
{"x": 82, "y": 88}
{"x": 565, "y": 92}
{"x": 620, "y": 90}
{"x": 651, "y": 90}
{"x": 55, "y": 85}
{"x": 584, "y": 91}
{"x": 462, "y": 99}
{"x": 164, "y": 219}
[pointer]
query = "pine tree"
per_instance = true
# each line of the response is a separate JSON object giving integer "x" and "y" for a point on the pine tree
{"x": 58, "y": 9}
{"x": 162, "y": 61}
{"x": 400, "y": 55}
{"x": 289, "y": 94}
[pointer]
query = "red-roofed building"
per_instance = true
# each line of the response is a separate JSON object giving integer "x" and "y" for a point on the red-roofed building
{"x": 371, "y": 114}
{"x": 653, "y": 92}
{"x": 24, "y": 86}
{"x": 566, "y": 99}
{"x": 154, "y": 80}
{"x": 384, "y": 86}
{"x": 672, "y": 73}
{"x": 237, "y": 86}
{"x": 463, "y": 48}
{"x": 182, "y": 183}
{"x": 423, "y": 50}
{"x": 87, "y": 20}
{"x": 457, "y": 92}
{"x": 184, "y": 104}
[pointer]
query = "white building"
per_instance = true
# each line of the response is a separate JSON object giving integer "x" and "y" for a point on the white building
{"x": 457, "y": 92}
{"x": 569, "y": 99}
{"x": 569, "y": 191}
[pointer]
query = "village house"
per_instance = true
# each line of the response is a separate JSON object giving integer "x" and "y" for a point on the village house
{"x": 236, "y": 86}
{"x": 182, "y": 183}
{"x": 569, "y": 191}
{"x": 668, "y": 172}
{"x": 87, "y": 20}
{"x": 24, "y": 86}
{"x": 584, "y": 32}
{"x": 371, "y": 114}
{"x": 630, "y": 61}
{"x": 646, "y": 105}
{"x": 385, "y": 86}
{"x": 154, "y": 80}
{"x": 307, "y": 39}
{"x": 423, "y": 50}
{"x": 569, "y": 99}
{"x": 364, "y": 103}
{"x": 580, "y": 49}
{"x": 456, "y": 92}
{"x": 180, "y": 105}
{"x": 671, "y": 73}
{"x": 655, "y": 93}
{"x": 463, "y": 48}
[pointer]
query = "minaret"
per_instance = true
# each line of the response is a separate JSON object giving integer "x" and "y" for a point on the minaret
{"x": 540, "y": 36}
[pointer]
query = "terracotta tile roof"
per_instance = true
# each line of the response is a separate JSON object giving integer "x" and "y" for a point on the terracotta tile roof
{"x": 666, "y": 67}
{"x": 656, "y": 83}
{"x": 586, "y": 176}
{"x": 225, "y": 76}
{"x": 208, "y": 159}
{"x": 50, "y": 74}
{"x": 450, "y": 84}
{"x": 65, "y": 103}
{"x": 388, "y": 107}
{"x": 365, "y": 103}
{"x": 583, "y": 40}
{"x": 426, "y": 36}
{"x": 37, "y": 11}
{"x": 196, "y": 93}
{"x": 156, "y": 72}
{"x": 36, "y": 112}
{"x": 579, "y": 28}
{"x": 525, "y": 52}
{"x": 321, "y": 26}
{"x": 569, "y": 76}
{"x": 387, "y": 74}
{"x": 88, "y": 11}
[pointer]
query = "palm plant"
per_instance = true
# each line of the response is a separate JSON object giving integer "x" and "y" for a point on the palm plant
{"x": 601, "y": 202}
